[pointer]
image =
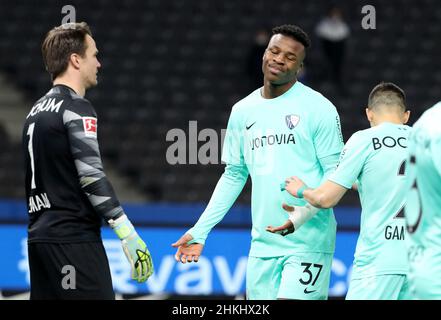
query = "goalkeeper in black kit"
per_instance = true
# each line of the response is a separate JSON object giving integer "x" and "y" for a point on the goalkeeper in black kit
{"x": 67, "y": 191}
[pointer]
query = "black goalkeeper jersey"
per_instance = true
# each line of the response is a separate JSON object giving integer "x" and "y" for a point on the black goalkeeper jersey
{"x": 67, "y": 191}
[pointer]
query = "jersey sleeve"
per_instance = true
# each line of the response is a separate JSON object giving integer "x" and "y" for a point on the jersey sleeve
{"x": 225, "y": 194}
{"x": 233, "y": 151}
{"x": 328, "y": 139}
{"x": 329, "y": 164}
{"x": 230, "y": 184}
{"x": 81, "y": 124}
{"x": 352, "y": 159}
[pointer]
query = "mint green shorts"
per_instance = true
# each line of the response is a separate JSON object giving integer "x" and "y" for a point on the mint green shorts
{"x": 381, "y": 287}
{"x": 302, "y": 276}
{"x": 425, "y": 286}
{"x": 424, "y": 276}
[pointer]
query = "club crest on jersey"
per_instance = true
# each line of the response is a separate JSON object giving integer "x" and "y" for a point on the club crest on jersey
{"x": 89, "y": 125}
{"x": 292, "y": 120}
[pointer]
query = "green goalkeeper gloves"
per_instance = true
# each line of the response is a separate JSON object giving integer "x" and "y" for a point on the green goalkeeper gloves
{"x": 134, "y": 248}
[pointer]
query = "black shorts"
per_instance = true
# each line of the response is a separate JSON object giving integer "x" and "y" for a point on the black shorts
{"x": 69, "y": 271}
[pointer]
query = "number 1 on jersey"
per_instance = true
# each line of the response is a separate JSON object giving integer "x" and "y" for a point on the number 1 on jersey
{"x": 30, "y": 133}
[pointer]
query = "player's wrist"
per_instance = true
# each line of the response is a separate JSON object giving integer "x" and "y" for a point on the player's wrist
{"x": 122, "y": 227}
{"x": 301, "y": 215}
{"x": 301, "y": 191}
{"x": 197, "y": 236}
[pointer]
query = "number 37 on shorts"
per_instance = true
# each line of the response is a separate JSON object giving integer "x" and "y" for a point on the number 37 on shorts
{"x": 306, "y": 279}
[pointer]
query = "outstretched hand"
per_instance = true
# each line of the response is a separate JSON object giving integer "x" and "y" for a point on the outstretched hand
{"x": 287, "y": 227}
{"x": 187, "y": 252}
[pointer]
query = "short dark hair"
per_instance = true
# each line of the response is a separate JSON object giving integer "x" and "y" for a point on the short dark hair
{"x": 60, "y": 43}
{"x": 294, "y": 32}
{"x": 387, "y": 93}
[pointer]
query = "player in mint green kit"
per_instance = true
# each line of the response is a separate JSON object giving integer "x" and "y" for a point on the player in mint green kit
{"x": 281, "y": 129}
{"x": 375, "y": 159}
{"x": 423, "y": 207}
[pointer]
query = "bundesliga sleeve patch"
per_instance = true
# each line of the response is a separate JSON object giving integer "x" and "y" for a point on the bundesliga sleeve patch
{"x": 90, "y": 126}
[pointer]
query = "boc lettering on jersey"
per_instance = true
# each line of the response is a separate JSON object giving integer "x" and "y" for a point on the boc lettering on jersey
{"x": 389, "y": 142}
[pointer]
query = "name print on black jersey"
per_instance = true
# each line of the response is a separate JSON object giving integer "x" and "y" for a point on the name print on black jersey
{"x": 50, "y": 105}
{"x": 38, "y": 202}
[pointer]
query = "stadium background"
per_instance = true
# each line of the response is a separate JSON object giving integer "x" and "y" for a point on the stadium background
{"x": 166, "y": 63}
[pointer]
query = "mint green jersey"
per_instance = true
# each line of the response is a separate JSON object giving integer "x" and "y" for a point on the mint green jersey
{"x": 423, "y": 208}
{"x": 375, "y": 159}
{"x": 274, "y": 139}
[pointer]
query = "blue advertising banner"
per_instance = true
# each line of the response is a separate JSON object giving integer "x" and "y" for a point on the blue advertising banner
{"x": 221, "y": 270}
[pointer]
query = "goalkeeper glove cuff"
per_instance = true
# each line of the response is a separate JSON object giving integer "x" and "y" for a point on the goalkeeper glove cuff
{"x": 122, "y": 227}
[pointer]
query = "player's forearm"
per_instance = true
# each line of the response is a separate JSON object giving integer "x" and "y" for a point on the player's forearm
{"x": 326, "y": 195}
{"x": 225, "y": 194}
{"x": 318, "y": 198}
{"x": 102, "y": 197}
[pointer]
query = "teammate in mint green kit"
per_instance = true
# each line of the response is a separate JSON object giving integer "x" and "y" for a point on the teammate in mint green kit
{"x": 281, "y": 129}
{"x": 423, "y": 207}
{"x": 375, "y": 159}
